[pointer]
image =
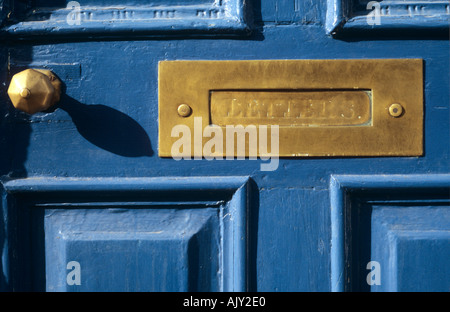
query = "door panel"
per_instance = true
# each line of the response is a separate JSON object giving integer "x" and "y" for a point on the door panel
{"x": 137, "y": 250}
{"x": 422, "y": 259}
{"x": 428, "y": 17}
{"x": 148, "y": 235}
{"x": 400, "y": 225}
{"x": 123, "y": 19}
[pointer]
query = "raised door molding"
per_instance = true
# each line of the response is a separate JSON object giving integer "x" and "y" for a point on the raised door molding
{"x": 383, "y": 218}
{"x": 155, "y": 18}
{"x": 56, "y": 220}
{"x": 366, "y": 15}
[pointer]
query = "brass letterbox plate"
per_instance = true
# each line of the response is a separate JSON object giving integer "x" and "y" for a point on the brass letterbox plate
{"x": 366, "y": 107}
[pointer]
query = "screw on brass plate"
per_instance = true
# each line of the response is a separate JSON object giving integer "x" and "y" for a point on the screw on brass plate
{"x": 395, "y": 110}
{"x": 184, "y": 110}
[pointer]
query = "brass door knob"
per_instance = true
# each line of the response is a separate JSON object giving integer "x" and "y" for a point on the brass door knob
{"x": 34, "y": 90}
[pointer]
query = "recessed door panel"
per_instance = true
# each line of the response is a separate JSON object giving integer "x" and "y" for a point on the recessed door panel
{"x": 133, "y": 249}
{"x": 391, "y": 233}
{"x": 412, "y": 245}
{"x": 150, "y": 235}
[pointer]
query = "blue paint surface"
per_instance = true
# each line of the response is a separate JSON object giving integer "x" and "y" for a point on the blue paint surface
{"x": 141, "y": 234}
{"x": 95, "y": 154}
{"x": 130, "y": 19}
{"x": 134, "y": 250}
{"x": 397, "y": 222}
{"x": 413, "y": 246}
{"x": 426, "y": 17}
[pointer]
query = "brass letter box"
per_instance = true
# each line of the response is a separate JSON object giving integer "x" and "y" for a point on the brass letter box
{"x": 321, "y": 107}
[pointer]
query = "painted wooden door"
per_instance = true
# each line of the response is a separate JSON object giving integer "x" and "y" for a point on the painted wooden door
{"x": 88, "y": 205}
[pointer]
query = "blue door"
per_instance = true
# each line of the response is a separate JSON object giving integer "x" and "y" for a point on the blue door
{"x": 93, "y": 199}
